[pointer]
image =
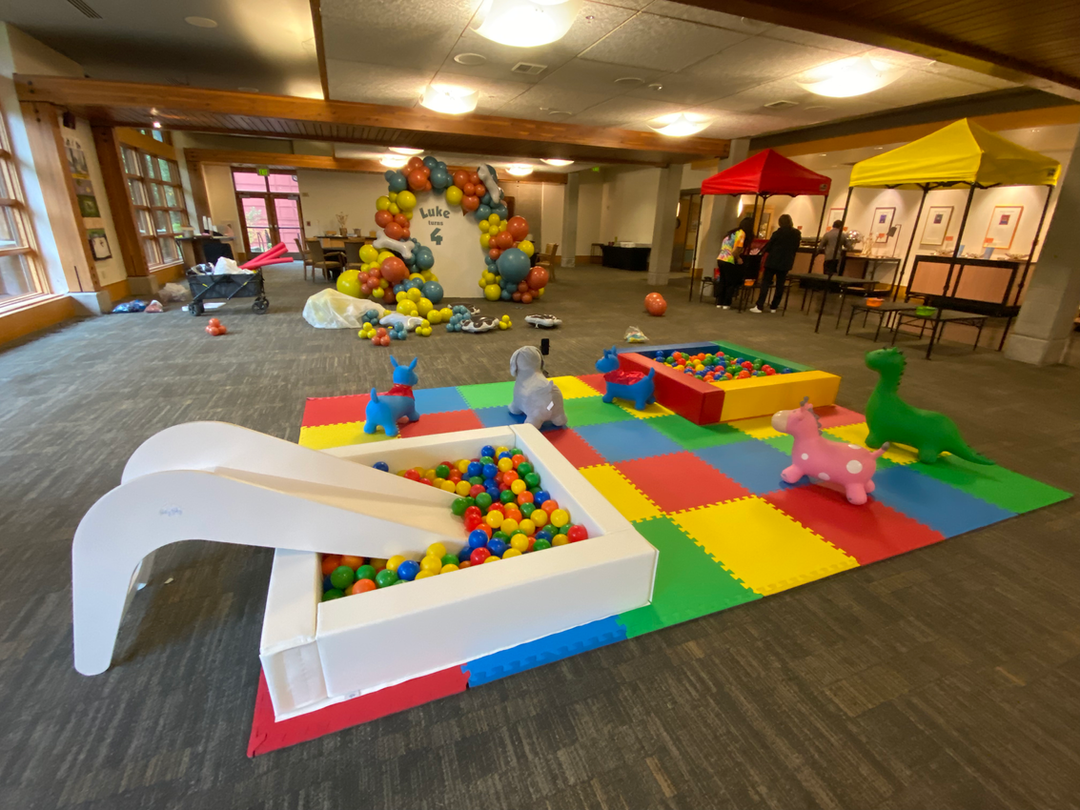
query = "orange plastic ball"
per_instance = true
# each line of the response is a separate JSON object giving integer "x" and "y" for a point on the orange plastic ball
{"x": 329, "y": 563}
{"x": 655, "y": 304}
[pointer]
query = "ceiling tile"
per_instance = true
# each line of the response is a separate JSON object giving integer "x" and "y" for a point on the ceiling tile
{"x": 661, "y": 43}
{"x": 897, "y": 58}
{"x": 637, "y": 5}
{"x": 529, "y": 103}
{"x": 815, "y": 40}
{"x": 757, "y": 60}
{"x": 350, "y": 41}
{"x": 597, "y": 77}
{"x": 918, "y": 87}
{"x": 681, "y": 88}
{"x": 493, "y": 93}
{"x": 623, "y": 112}
{"x": 733, "y": 22}
{"x": 989, "y": 82}
{"x": 375, "y": 84}
{"x": 419, "y": 15}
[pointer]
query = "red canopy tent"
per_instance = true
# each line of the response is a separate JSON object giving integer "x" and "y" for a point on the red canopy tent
{"x": 766, "y": 174}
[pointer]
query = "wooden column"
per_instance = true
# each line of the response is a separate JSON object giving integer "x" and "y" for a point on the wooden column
{"x": 112, "y": 173}
{"x": 58, "y": 188}
{"x": 199, "y": 197}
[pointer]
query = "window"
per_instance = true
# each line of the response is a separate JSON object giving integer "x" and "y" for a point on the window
{"x": 157, "y": 201}
{"x": 271, "y": 208}
{"x": 21, "y": 275}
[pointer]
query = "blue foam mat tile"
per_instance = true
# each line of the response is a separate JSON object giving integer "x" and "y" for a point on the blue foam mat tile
{"x": 544, "y": 650}
{"x": 624, "y": 441}
{"x": 498, "y": 416}
{"x": 756, "y": 465}
{"x": 439, "y": 400}
{"x": 934, "y": 503}
{"x": 706, "y": 346}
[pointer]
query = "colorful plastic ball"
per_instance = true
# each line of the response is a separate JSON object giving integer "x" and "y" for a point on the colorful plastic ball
{"x": 478, "y": 539}
{"x": 487, "y": 451}
{"x": 362, "y": 586}
{"x": 436, "y": 550}
{"x": 365, "y": 572}
{"x": 532, "y": 480}
{"x": 494, "y": 519}
{"x": 446, "y": 569}
{"x": 424, "y": 574}
{"x": 527, "y": 526}
{"x": 483, "y": 500}
{"x": 560, "y": 540}
{"x": 342, "y": 577}
{"x": 479, "y": 555}
{"x": 407, "y": 570}
{"x": 386, "y": 577}
{"x": 505, "y": 463}
{"x": 381, "y": 465}
{"x": 509, "y": 526}
{"x": 449, "y": 559}
{"x": 519, "y": 542}
{"x": 541, "y": 497}
{"x": 518, "y": 486}
{"x": 333, "y": 593}
{"x": 496, "y": 547}
{"x": 459, "y": 506}
{"x": 464, "y": 553}
{"x": 330, "y": 562}
{"x": 393, "y": 563}
{"x": 577, "y": 533}
{"x": 442, "y": 470}
{"x": 431, "y": 563}
{"x": 541, "y": 544}
{"x": 549, "y": 506}
{"x": 506, "y": 496}
{"x": 490, "y": 471}
{"x": 559, "y": 518}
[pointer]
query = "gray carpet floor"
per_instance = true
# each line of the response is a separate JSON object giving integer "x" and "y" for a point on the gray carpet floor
{"x": 948, "y": 677}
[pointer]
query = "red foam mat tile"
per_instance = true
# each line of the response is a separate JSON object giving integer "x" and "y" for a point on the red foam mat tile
{"x": 267, "y": 735}
{"x": 679, "y": 481}
{"x": 594, "y": 381}
{"x": 832, "y": 416}
{"x": 868, "y": 533}
{"x": 445, "y": 422}
{"x": 320, "y": 411}
{"x": 576, "y": 450}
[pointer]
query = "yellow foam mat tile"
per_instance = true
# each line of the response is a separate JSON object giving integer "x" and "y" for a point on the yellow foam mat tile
{"x": 856, "y": 434}
{"x": 656, "y": 409}
{"x": 623, "y": 495}
{"x": 760, "y": 427}
{"x": 761, "y": 546}
{"x": 321, "y": 437}
{"x": 573, "y": 388}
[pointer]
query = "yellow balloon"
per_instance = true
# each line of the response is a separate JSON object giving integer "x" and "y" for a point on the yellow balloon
{"x": 482, "y": 282}
{"x": 368, "y": 254}
{"x": 447, "y": 314}
{"x": 485, "y": 240}
{"x": 540, "y": 291}
{"x": 383, "y": 283}
{"x": 401, "y": 296}
{"x": 484, "y": 226}
{"x": 394, "y": 209}
{"x": 453, "y": 195}
{"x": 415, "y": 294}
{"x": 526, "y": 247}
{"x": 415, "y": 275}
{"x": 434, "y": 317}
{"x": 382, "y": 203}
{"x": 408, "y": 215}
{"x": 502, "y": 227}
{"x": 406, "y": 200}
{"x": 349, "y": 283}
{"x": 492, "y": 292}
{"x": 383, "y": 256}
{"x": 494, "y": 219}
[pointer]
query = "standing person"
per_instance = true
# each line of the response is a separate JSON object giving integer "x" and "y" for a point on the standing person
{"x": 729, "y": 274}
{"x": 779, "y": 257}
{"x": 833, "y": 245}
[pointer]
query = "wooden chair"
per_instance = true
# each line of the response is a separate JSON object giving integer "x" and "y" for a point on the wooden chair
{"x": 319, "y": 260}
{"x": 305, "y": 257}
{"x": 352, "y": 255}
{"x": 547, "y": 259}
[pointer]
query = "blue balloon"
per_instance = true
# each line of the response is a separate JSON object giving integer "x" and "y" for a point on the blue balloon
{"x": 490, "y": 262}
{"x": 388, "y": 175}
{"x": 513, "y": 265}
{"x": 414, "y": 283}
{"x": 483, "y": 212}
{"x": 424, "y": 258}
{"x": 399, "y": 287}
{"x": 501, "y": 210}
{"x": 408, "y": 570}
{"x": 439, "y": 179}
{"x": 397, "y": 181}
{"x": 486, "y": 200}
{"x": 505, "y": 295}
{"x": 430, "y": 162}
{"x": 433, "y": 292}
{"x": 441, "y": 166}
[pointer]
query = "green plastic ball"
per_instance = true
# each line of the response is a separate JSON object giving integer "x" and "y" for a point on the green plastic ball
{"x": 507, "y": 495}
{"x": 515, "y": 451}
{"x": 442, "y": 471}
{"x": 485, "y": 460}
{"x": 565, "y": 528}
{"x": 527, "y": 509}
{"x": 476, "y": 479}
{"x": 386, "y": 578}
{"x": 483, "y": 500}
{"x": 459, "y": 506}
{"x": 333, "y": 593}
{"x": 500, "y": 535}
{"x": 532, "y": 480}
{"x": 365, "y": 572}
{"x": 342, "y": 577}
{"x": 524, "y": 468}
{"x": 449, "y": 559}
{"x": 541, "y": 544}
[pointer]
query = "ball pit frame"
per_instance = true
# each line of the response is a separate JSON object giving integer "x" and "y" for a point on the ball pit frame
{"x": 317, "y": 653}
{"x": 707, "y": 403}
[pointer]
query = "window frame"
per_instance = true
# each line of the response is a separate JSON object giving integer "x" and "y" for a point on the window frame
{"x": 25, "y": 242}
{"x": 149, "y": 209}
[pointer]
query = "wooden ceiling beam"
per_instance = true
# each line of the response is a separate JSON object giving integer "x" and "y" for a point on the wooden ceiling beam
{"x": 106, "y": 103}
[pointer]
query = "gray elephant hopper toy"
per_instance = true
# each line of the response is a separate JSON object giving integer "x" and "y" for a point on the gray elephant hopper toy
{"x": 534, "y": 394}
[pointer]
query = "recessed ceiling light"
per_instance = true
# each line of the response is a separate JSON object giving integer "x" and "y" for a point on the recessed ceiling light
{"x": 557, "y": 161}
{"x": 560, "y": 112}
{"x": 394, "y": 161}
{"x": 629, "y": 81}
{"x": 157, "y": 125}
{"x": 589, "y": 18}
{"x": 248, "y": 89}
{"x": 822, "y": 155}
{"x": 656, "y": 86}
{"x": 679, "y": 125}
{"x": 815, "y": 108}
{"x": 406, "y": 150}
{"x": 854, "y": 76}
{"x": 201, "y": 22}
{"x": 470, "y": 59}
{"x": 519, "y": 169}
{"x": 526, "y": 23}
{"x": 445, "y": 98}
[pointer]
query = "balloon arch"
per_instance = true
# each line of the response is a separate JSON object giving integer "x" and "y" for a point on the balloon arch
{"x": 397, "y": 262}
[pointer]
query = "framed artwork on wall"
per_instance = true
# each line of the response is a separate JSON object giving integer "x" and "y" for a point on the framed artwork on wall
{"x": 937, "y": 224}
{"x": 834, "y": 214}
{"x": 764, "y": 223}
{"x": 99, "y": 243}
{"x": 881, "y": 224}
{"x": 1003, "y": 222}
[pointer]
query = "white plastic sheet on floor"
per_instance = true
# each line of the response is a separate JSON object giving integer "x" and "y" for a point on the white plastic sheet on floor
{"x": 330, "y": 309}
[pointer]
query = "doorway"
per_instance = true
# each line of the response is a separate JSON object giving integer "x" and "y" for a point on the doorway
{"x": 269, "y": 206}
{"x": 687, "y": 223}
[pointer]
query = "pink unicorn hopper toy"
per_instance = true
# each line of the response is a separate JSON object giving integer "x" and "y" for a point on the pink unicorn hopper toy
{"x": 848, "y": 465}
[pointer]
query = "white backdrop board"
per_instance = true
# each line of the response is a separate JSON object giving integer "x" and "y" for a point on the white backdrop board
{"x": 454, "y": 238}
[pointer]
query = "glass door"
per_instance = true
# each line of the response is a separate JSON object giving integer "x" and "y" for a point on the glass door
{"x": 270, "y": 205}
{"x": 257, "y": 228}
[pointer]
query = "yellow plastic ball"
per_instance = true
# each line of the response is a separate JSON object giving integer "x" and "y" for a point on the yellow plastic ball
{"x": 492, "y": 291}
{"x": 539, "y": 518}
{"x": 519, "y": 542}
{"x": 492, "y": 558}
{"x": 425, "y": 574}
{"x": 446, "y": 569}
{"x": 510, "y": 553}
{"x": 518, "y": 486}
{"x": 528, "y": 527}
{"x": 526, "y": 247}
{"x": 560, "y": 540}
{"x": 406, "y": 200}
{"x": 432, "y": 564}
{"x": 559, "y": 518}
{"x": 505, "y": 464}
{"x": 449, "y": 486}
{"x": 436, "y": 549}
{"x": 494, "y": 518}
{"x": 463, "y": 465}
{"x": 504, "y": 325}
{"x": 382, "y": 203}
{"x": 463, "y": 488}
{"x": 500, "y": 450}
{"x": 393, "y": 563}
{"x": 509, "y": 525}
{"x": 394, "y": 209}
{"x": 438, "y": 482}
{"x": 485, "y": 226}
{"x": 430, "y": 476}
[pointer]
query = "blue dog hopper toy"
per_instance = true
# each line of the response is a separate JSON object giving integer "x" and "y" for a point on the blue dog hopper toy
{"x": 390, "y": 407}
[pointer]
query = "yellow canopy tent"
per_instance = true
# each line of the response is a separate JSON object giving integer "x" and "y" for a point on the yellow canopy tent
{"x": 963, "y": 153}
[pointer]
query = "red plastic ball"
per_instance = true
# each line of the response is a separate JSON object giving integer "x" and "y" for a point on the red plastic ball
{"x": 412, "y": 475}
{"x": 577, "y": 533}
{"x": 472, "y": 511}
{"x": 479, "y": 555}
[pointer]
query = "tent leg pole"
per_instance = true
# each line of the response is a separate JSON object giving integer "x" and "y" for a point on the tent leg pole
{"x": 910, "y": 245}
{"x": 952, "y": 266}
{"x": 836, "y": 252}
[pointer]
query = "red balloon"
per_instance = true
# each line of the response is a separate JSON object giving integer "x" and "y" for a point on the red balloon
{"x": 376, "y": 274}
{"x": 517, "y": 227}
{"x": 364, "y": 277}
{"x": 416, "y": 180}
{"x": 523, "y": 287}
{"x": 427, "y": 186}
{"x": 461, "y": 178}
{"x": 655, "y": 304}
{"x": 537, "y": 278}
{"x": 504, "y": 241}
{"x": 469, "y": 190}
{"x": 405, "y": 234}
{"x": 424, "y": 170}
{"x": 383, "y": 218}
{"x": 401, "y": 220}
{"x": 516, "y": 296}
{"x": 469, "y": 204}
{"x": 388, "y": 298}
{"x": 415, "y": 162}
{"x": 474, "y": 178}
{"x": 394, "y": 269}
{"x": 494, "y": 253}
{"x": 481, "y": 189}
{"x": 526, "y": 298}
{"x": 393, "y": 230}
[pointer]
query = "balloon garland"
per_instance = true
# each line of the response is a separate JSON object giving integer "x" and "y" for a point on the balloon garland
{"x": 398, "y": 263}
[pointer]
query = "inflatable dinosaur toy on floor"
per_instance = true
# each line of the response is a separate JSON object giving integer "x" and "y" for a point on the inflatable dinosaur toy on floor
{"x": 892, "y": 420}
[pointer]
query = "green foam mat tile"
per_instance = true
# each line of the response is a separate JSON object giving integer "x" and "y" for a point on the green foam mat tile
{"x": 997, "y": 485}
{"x": 689, "y": 583}
{"x": 585, "y": 411}
{"x": 488, "y": 395}
{"x": 783, "y": 443}
{"x": 696, "y": 437}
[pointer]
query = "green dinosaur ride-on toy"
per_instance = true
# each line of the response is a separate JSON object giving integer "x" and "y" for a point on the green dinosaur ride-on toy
{"x": 892, "y": 420}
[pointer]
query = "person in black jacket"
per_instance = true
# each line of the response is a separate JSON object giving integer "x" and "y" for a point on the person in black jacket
{"x": 780, "y": 257}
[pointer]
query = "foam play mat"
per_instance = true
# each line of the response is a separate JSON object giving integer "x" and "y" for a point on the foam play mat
{"x": 709, "y": 498}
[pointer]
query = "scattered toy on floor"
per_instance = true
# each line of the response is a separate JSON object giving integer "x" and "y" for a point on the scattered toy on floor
{"x": 535, "y": 396}
{"x": 634, "y": 386}
{"x": 387, "y": 409}
{"x": 655, "y": 304}
{"x": 215, "y": 327}
{"x": 545, "y": 321}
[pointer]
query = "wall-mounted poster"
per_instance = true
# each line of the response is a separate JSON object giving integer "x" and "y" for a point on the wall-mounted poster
{"x": 88, "y": 206}
{"x": 99, "y": 243}
{"x": 1002, "y": 228}
{"x": 834, "y": 214}
{"x": 881, "y": 224}
{"x": 937, "y": 224}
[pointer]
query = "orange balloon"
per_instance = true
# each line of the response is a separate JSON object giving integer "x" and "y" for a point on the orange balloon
{"x": 503, "y": 241}
{"x": 517, "y": 227}
{"x": 401, "y": 220}
{"x": 394, "y": 231}
{"x": 415, "y": 162}
{"x": 537, "y": 278}
{"x": 470, "y": 203}
{"x": 394, "y": 269}
{"x": 474, "y": 178}
{"x": 383, "y": 218}
{"x": 655, "y": 304}
{"x": 494, "y": 253}
{"x": 461, "y": 178}
{"x": 417, "y": 180}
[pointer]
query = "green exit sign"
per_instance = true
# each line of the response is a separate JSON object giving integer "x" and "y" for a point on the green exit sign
{"x": 263, "y": 172}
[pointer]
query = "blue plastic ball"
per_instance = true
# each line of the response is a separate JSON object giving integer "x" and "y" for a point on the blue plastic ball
{"x": 487, "y": 450}
{"x": 326, "y": 583}
{"x": 496, "y": 547}
{"x": 489, "y": 471}
{"x": 381, "y": 465}
{"x": 494, "y": 492}
{"x": 408, "y": 570}
{"x": 466, "y": 550}
{"x": 544, "y": 534}
{"x": 475, "y": 468}
{"x": 541, "y": 496}
{"x": 477, "y": 538}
